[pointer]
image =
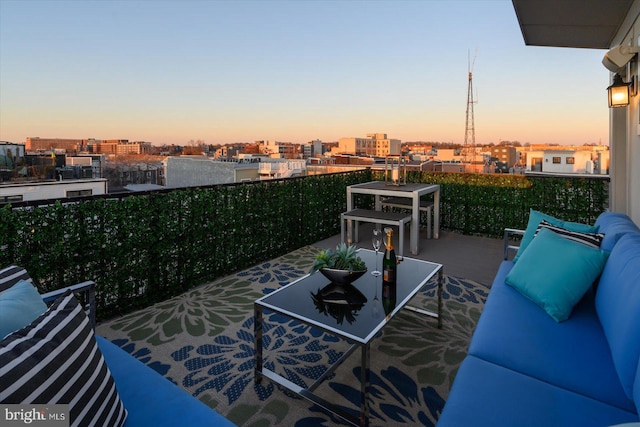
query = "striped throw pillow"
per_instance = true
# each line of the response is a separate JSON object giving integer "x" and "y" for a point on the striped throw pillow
{"x": 11, "y": 275}
{"x": 55, "y": 360}
{"x": 593, "y": 240}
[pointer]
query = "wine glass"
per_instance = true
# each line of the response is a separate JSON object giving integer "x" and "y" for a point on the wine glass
{"x": 376, "y": 241}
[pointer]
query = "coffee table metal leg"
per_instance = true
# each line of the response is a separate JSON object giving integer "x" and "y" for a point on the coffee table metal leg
{"x": 438, "y": 314}
{"x": 257, "y": 333}
{"x": 365, "y": 382}
{"x": 440, "y": 298}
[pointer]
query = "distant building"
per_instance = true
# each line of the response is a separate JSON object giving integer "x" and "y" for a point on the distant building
{"x": 103, "y": 147}
{"x": 194, "y": 171}
{"x": 567, "y": 161}
{"x": 505, "y": 154}
{"x": 95, "y": 161}
{"x": 450, "y": 155}
{"x": 133, "y": 148}
{"x": 374, "y": 145}
{"x": 10, "y": 154}
{"x": 44, "y": 190}
{"x": 280, "y": 168}
{"x": 34, "y": 144}
{"x": 276, "y": 150}
{"x": 312, "y": 149}
{"x": 228, "y": 152}
{"x": 91, "y": 145}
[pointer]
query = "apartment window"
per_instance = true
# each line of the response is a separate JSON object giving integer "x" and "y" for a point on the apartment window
{"x": 79, "y": 193}
{"x": 556, "y": 160}
{"x": 9, "y": 199}
{"x": 571, "y": 160}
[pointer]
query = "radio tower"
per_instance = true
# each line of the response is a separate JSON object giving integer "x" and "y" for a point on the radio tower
{"x": 470, "y": 130}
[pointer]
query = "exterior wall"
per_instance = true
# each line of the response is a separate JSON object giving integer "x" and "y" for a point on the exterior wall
{"x": 384, "y": 146}
{"x": 53, "y": 189}
{"x": 316, "y": 151}
{"x": 312, "y": 149}
{"x": 113, "y": 146}
{"x": 128, "y": 149}
{"x": 9, "y": 149}
{"x": 347, "y": 146}
{"x": 505, "y": 154}
{"x": 270, "y": 147}
{"x": 186, "y": 171}
{"x": 36, "y": 143}
{"x": 96, "y": 161}
{"x": 269, "y": 168}
{"x": 244, "y": 174}
{"x": 78, "y": 161}
{"x": 447, "y": 155}
{"x": 624, "y": 132}
{"x": 375, "y": 144}
{"x": 452, "y": 167}
{"x": 604, "y": 158}
{"x": 107, "y": 148}
{"x": 534, "y": 160}
{"x": 560, "y": 161}
{"x": 133, "y": 147}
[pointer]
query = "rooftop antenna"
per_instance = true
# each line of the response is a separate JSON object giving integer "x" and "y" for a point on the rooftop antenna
{"x": 470, "y": 130}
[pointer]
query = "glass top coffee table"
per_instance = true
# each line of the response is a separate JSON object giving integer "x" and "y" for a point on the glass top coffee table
{"x": 353, "y": 313}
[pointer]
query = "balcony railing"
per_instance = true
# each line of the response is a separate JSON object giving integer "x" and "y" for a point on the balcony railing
{"x": 144, "y": 248}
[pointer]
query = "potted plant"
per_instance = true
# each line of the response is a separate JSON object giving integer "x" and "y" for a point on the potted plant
{"x": 341, "y": 266}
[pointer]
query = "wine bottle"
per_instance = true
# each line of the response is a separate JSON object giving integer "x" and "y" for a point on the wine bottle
{"x": 389, "y": 270}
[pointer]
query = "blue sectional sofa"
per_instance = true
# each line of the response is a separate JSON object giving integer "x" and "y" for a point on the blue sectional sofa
{"x": 525, "y": 368}
{"x": 56, "y": 349}
{"x": 149, "y": 398}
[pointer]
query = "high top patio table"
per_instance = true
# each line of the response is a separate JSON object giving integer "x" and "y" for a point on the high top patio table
{"x": 411, "y": 190}
{"x": 363, "y": 319}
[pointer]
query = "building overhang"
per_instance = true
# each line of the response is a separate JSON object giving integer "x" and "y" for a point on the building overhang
{"x": 592, "y": 24}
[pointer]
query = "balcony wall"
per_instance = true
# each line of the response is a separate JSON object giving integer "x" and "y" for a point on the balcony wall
{"x": 144, "y": 248}
{"x": 485, "y": 204}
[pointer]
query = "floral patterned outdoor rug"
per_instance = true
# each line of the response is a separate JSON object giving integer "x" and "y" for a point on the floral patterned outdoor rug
{"x": 202, "y": 340}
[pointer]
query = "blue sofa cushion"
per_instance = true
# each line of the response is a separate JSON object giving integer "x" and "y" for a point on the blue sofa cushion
{"x": 636, "y": 387}
{"x": 534, "y": 220}
{"x": 555, "y": 272}
{"x": 515, "y": 333}
{"x": 485, "y": 394}
{"x": 618, "y": 307}
{"x": 613, "y": 226}
{"x": 20, "y": 305}
{"x": 55, "y": 360}
{"x": 151, "y": 399}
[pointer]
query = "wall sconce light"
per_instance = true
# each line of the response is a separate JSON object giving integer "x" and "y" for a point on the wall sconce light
{"x": 619, "y": 92}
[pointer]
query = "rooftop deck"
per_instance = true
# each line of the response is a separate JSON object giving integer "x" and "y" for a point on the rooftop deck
{"x": 206, "y": 336}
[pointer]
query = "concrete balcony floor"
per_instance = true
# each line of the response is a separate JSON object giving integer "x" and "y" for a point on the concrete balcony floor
{"x": 469, "y": 257}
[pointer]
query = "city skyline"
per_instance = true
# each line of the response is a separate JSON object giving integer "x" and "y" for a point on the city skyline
{"x": 222, "y": 72}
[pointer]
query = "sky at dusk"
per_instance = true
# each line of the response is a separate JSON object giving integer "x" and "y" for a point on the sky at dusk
{"x": 169, "y": 72}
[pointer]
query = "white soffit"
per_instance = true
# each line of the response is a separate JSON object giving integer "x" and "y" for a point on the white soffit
{"x": 571, "y": 23}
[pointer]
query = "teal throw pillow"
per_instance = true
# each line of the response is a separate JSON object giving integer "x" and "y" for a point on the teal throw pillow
{"x": 555, "y": 272}
{"x": 536, "y": 217}
{"x": 20, "y": 305}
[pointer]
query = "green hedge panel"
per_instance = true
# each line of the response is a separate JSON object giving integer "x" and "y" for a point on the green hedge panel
{"x": 144, "y": 248}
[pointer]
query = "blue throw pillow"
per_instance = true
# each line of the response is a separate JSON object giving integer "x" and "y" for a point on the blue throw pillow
{"x": 20, "y": 305}
{"x": 555, "y": 272}
{"x": 536, "y": 217}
